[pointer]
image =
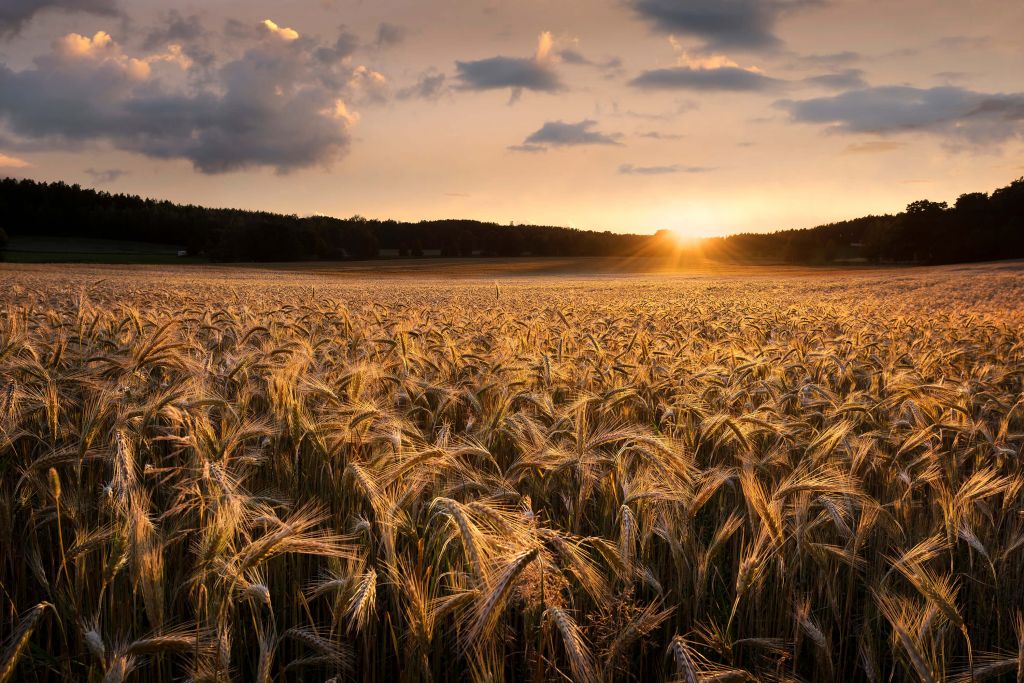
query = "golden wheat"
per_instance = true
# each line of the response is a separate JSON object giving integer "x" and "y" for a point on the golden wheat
{"x": 214, "y": 476}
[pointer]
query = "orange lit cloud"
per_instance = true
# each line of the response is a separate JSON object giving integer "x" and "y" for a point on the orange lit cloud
{"x": 285, "y": 34}
{"x": 7, "y": 161}
{"x": 544, "y": 44}
{"x": 711, "y": 61}
{"x": 101, "y": 48}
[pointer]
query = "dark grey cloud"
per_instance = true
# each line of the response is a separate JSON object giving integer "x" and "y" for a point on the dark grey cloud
{"x": 726, "y": 78}
{"x": 576, "y": 58}
{"x": 344, "y": 46}
{"x": 530, "y": 149}
{"x": 14, "y": 14}
{"x": 429, "y": 86}
{"x": 275, "y": 106}
{"x": 389, "y": 35}
{"x": 239, "y": 30}
{"x": 498, "y": 73}
{"x": 630, "y": 169}
{"x": 562, "y": 134}
{"x": 1009, "y": 108}
{"x": 175, "y": 28}
{"x": 847, "y": 79}
{"x": 955, "y": 113}
{"x": 187, "y": 32}
{"x": 106, "y": 175}
{"x": 573, "y": 57}
{"x": 720, "y": 24}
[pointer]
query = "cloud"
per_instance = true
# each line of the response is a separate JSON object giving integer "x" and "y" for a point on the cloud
{"x": 527, "y": 148}
{"x": 239, "y": 30}
{"x": 175, "y": 29}
{"x": 14, "y": 14}
{"x": 497, "y": 73}
{"x": 390, "y": 35}
{"x": 630, "y": 169}
{"x": 711, "y": 72}
{"x": 285, "y": 34}
{"x": 951, "y": 112}
{"x": 430, "y": 86}
{"x": 573, "y": 57}
{"x": 274, "y": 105}
{"x": 725, "y": 78}
{"x": 576, "y": 58}
{"x": 831, "y": 60}
{"x": 682, "y": 106}
{"x": 846, "y": 79}
{"x": 562, "y": 134}
{"x": 366, "y": 85}
{"x": 7, "y": 161}
{"x": 658, "y": 135}
{"x": 952, "y": 76}
{"x": 517, "y": 73}
{"x": 344, "y": 46}
{"x": 964, "y": 43}
{"x": 101, "y": 51}
{"x": 545, "y": 42}
{"x": 720, "y": 24}
{"x": 185, "y": 32}
{"x": 873, "y": 147}
{"x": 104, "y": 176}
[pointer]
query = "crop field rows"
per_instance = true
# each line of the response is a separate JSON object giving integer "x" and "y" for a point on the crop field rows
{"x": 218, "y": 475}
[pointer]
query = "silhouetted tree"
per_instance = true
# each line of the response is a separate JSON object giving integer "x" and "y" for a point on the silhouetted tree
{"x": 978, "y": 226}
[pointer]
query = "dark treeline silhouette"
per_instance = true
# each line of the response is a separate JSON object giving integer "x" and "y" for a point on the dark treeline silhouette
{"x": 977, "y": 227}
{"x": 29, "y": 208}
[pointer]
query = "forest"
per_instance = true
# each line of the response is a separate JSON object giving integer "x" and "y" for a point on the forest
{"x": 979, "y": 226}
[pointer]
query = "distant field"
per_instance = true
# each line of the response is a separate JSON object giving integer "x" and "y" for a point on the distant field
{"x": 530, "y": 268}
{"x": 463, "y": 268}
{"x": 536, "y": 470}
{"x": 71, "y": 250}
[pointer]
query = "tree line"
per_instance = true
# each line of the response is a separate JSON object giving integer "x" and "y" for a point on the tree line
{"x": 61, "y": 210}
{"x": 978, "y": 226}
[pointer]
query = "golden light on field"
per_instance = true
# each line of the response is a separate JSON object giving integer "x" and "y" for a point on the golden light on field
{"x": 559, "y": 478}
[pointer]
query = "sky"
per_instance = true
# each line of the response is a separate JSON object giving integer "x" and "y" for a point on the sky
{"x": 708, "y": 117}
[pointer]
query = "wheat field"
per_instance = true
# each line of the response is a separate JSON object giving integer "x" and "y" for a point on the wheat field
{"x": 230, "y": 475}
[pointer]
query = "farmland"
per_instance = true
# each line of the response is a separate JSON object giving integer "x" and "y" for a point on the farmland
{"x": 753, "y": 474}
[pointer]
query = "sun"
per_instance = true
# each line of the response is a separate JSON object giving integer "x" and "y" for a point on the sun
{"x": 677, "y": 239}
{"x": 683, "y": 239}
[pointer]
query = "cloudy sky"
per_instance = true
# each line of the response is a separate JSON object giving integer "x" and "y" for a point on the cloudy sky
{"x": 708, "y": 116}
